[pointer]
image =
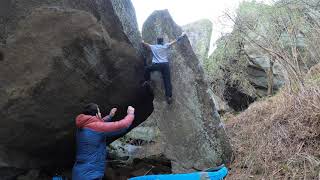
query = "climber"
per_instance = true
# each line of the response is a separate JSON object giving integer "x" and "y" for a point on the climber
{"x": 160, "y": 62}
{"x": 92, "y": 131}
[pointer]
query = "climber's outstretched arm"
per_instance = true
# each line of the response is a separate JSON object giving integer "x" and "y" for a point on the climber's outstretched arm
{"x": 147, "y": 45}
{"x": 178, "y": 39}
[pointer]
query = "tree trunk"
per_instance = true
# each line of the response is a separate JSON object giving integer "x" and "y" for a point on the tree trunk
{"x": 270, "y": 78}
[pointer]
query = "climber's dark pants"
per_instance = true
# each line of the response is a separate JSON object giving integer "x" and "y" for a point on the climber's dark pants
{"x": 165, "y": 71}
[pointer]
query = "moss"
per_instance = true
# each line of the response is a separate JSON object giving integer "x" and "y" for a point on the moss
{"x": 314, "y": 79}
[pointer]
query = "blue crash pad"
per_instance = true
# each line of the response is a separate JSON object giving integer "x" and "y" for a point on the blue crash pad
{"x": 217, "y": 175}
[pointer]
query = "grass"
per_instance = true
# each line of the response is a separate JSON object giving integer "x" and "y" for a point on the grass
{"x": 279, "y": 137}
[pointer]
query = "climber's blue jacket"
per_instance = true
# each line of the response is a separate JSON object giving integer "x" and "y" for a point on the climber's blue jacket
{"x": 91, "y": 144}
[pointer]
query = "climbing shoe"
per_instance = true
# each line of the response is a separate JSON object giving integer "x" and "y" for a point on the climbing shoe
{"x": 169, "y": 100}
{"x": 146, "y": 84}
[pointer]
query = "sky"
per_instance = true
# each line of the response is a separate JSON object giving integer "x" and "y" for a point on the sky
{"x": 187, "y": 11}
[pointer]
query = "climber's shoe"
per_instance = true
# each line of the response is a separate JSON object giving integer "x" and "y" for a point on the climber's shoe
{"x": 169, "y": 100}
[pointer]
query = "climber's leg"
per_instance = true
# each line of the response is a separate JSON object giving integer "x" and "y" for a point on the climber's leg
{"x": 148, "y": 70}
{"x": 165, "y": 70}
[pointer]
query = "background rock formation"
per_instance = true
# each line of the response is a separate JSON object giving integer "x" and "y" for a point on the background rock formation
{"x": 58, "y": 56}
{"x": 259, "y": 56}
{"x": 191, "y": 127}
{"x": 199, "y": 34}
{"x": 257, "y": 69}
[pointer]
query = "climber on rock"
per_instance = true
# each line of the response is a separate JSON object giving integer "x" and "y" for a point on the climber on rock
{"x": 92, "y": 131}
{"x": 160, "y": 62}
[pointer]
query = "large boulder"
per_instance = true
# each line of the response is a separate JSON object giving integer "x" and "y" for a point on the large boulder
{"x": 127, "y": 15}
{"x": 199, "y": 34}
{"x": 56, "y": 57}
{"x": 194, "y": 135}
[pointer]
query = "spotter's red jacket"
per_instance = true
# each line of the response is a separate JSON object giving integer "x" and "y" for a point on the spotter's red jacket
{"x": 102, "y": 125}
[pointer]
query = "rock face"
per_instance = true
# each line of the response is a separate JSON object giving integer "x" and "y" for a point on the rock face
{"x": 257, "y": 71}
{"x": 127, "y": 15}
{"x": 55, "y": 59}
{"x": 199, "y": 34}
{"x": 238, "y": 71}
{"x": 195, "y": 138}
{"x": 138, "y": 153}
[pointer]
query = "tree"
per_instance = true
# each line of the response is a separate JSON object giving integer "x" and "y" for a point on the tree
{"x": 283, "y": 31}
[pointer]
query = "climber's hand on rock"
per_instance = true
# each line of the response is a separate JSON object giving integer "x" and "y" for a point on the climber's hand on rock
{"x": 130, "y": 110}
{"x": 113, "y": 112}
{"x": 183, "y": 34}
